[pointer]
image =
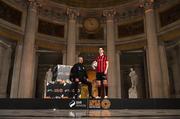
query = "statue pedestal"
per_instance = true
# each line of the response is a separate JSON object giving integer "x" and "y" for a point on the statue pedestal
{"x": 132, "y": 92}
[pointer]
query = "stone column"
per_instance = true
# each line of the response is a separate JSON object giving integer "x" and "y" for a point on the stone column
{"x": 178, "y": 59}
{"x": 112, "y": 79}
{"x": 16, "y": 71}
{"x": 1, "y": 57}
{"x": 64, "y": 57}
{"x": 178, "y": 54}
{"x": 71, "y": 38}
{"x": 35, "y": 72}
{"x": 147, "y": 74}
{"x": 155, "y": 78}
{"x": 5, "y": 66}
{"x": 27, "y": 68}
{"x": 176, "y": 71}
{"x": 76, "y": 56}
{"x": 164, "y": 68}
{"x": 118, "y": 55}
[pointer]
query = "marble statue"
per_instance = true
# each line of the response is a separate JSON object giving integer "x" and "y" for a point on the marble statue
{"x": 133, "y": 90}
{"x": 133, "y": 77}
{"x": 49, "y": 76}
{"x": 48, "y": 79}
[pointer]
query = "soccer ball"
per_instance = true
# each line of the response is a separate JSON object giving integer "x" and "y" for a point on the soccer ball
{"x": 94, "y": 64}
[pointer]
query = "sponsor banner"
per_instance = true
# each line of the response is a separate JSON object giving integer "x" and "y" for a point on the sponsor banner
{"x": 78, "y": 104}
{"x": 99, "y": 104}
{"x": 89, "y": 104}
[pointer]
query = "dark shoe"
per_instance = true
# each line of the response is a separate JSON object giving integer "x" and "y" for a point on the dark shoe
{"x": 91, "y": 97}
{"x": 75, "y": 96}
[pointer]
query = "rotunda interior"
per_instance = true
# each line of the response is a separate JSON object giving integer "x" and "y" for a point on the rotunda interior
{"x": 36, "y": 35}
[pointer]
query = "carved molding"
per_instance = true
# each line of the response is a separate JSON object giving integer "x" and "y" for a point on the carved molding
{"x": 171, "y": 35}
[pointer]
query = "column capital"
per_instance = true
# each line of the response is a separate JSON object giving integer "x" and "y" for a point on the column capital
{"x": 109, "y": 14}
{"x": 160, "y": 42}
{"x": 119, "y": 52}
{"x": 179, "y": 44}
{"x": 33, "y": 4}
{"x": 147, "y": 4}
{"x": 64, "y": 51}
{"x": 145, "y": 47}
{"x": 72, "y": 13}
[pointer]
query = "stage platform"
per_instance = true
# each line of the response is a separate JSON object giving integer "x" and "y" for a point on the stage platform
{"x": 89, "y": 104}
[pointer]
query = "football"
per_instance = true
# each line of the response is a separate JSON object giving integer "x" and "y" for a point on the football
{"x": 94, "y": 64}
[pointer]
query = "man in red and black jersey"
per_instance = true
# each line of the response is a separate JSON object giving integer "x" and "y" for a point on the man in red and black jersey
{"x": 101, "y": 73}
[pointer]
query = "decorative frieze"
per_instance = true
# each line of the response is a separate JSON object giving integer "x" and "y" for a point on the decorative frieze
{"x": 53, "y": 13}
{"x": 129, "y": 13}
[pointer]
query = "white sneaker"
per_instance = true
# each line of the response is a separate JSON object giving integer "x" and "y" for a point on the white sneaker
{"x": 105, "y": 96}
{"x": 97, "y": 97}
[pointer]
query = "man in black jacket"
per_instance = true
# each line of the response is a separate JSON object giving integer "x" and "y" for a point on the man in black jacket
{"x": 78, "y": 75}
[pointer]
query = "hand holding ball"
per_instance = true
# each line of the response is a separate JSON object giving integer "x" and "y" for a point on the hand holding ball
{"x": 94, "y": 65}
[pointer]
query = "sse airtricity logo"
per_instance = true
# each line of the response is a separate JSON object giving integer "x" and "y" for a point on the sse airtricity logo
{"x": 72, "y": 104}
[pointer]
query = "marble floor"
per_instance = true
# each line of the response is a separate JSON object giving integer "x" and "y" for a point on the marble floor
{"x": 89, "y": 114}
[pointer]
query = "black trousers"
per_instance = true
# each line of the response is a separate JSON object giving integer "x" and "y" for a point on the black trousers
{"x": 75, "y": 86}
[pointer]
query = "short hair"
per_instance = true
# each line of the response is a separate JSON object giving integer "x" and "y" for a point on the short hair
{"x": 80, "y": 56}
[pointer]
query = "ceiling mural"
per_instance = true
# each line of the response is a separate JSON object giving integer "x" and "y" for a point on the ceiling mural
{"x": 92, "y": 3}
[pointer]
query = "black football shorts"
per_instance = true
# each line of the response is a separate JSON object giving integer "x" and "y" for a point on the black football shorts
{"x": 100, "y": 76}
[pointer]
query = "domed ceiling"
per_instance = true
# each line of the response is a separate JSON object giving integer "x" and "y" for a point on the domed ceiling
{"x": 92, "y": 3}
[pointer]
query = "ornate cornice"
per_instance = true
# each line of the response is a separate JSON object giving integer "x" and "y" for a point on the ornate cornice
{"x": 130, "y": 10}
{"x": 170, "y": 35}
{"x": 131, "y": 46}
{"x": 11, "y": 35}
{"x": 92, "y": 3}
{"x": 59, "y": 12}
{"x": 50, "y": 45}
